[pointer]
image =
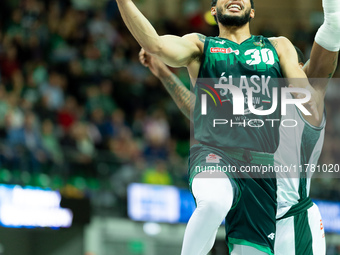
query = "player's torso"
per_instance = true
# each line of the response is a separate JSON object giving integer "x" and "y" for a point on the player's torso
{"x": 297, "y": 155}
{"x": 251, "y": 64}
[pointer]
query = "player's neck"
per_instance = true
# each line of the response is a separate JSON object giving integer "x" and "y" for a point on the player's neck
{"x": 235, "y": 34}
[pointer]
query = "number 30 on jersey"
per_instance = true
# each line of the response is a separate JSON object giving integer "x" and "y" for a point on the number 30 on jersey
{"x": 257, "y": 56}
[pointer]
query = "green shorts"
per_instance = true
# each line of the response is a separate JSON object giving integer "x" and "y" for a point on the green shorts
{"x": 251, "y": 221}
{"x": 300, "y": 231}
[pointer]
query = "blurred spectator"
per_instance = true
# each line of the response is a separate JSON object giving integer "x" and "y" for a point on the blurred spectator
{"x": 53, "y": 91}
{"x": 99, "y": 27}
{"x": 68, "y": 114}
{"x": 82, "y": 158}
{"x": 138, "y": 123}
{"x": 101, "y": 98}
{"x": 17, "y": 82}
{"x": 15, "y": 27}
{"x": 117, "y": 124}
{"x": 9, "y": 64}
{"x": 15, "y": 115}
{"x": 82, "y": 141}
{"x": 157, "y": 127}
{"x": 30, "y": 92}
{"x": 157, "y": 133}
{"x": 25, "y": 141}
{"x": 123, "y": 147}
{"x": 4, "y": 108}
{"x": 92, "y": 60}
{"x": 98, "y": 119}
{"x": 40, "y": 73}
{"x": 50, "y": 142}
{"x": 157, "y": 174}
{"x": 119, "y": 60}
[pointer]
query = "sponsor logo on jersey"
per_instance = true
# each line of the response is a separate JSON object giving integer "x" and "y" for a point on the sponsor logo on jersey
{"x": 260, "y": 44}
{"x": 271, "y": 236}
{"x": 321, "y": 225}
{"x": 222, "y": 42}
{"x": 224, "y": 50}
{"x": 213, "y": 158}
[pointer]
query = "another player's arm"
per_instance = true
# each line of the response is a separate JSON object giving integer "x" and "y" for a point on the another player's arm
{"x": 173, "y": 50}
{"x": 322, "y": 63}
{"x": 297, "y": 78}
{"x": 183, "y": 97}
{"x": 321, "y": 67}
{"x": 324, "y": 55}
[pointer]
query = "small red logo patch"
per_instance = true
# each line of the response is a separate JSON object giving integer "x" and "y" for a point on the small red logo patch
{"x": 224, "y": 50}
{"x": 212, "y": 158}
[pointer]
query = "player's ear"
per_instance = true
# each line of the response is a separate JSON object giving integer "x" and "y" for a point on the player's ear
{"x": 213, "y": 11}
{"x": 252, "y": 13}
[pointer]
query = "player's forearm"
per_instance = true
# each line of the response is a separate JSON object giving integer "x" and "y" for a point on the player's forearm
{"x": 184, "y": 98}
{"x": 321, "y": 67}
{"x": 324, "y": 55}
{"x": 139, "y": 26}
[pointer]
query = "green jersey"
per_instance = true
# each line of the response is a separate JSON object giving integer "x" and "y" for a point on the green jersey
{"x": 253, "y": 64}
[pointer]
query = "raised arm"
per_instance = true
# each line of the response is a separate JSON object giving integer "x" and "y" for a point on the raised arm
{"x": 297, "y": 78}
{"x": 183, "y": 97}
{"x": 173, "y": 50}
{"x": 324, "y": 56}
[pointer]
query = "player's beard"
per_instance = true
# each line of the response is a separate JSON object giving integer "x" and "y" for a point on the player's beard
{"x": 228, "y": 20}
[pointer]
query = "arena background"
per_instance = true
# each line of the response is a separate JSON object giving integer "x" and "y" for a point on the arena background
{"x": 80, "y": 115}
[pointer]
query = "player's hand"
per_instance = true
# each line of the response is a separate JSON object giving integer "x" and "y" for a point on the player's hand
{"x": 156, "y": 66}
{"x": 311, "y": 105}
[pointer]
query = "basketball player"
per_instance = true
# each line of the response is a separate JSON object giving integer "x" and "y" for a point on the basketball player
{"x": 229, "y": 146}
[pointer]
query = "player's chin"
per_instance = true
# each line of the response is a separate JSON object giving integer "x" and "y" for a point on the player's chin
{"x": 235, "y": 14}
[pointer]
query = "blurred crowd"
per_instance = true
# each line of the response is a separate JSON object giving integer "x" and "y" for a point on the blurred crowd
{"x": 78, "y": 112}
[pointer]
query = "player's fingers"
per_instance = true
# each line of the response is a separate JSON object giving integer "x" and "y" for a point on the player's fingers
{"x": 142, "y": 60}
{"x": 142, "y": 57}
{"x": 141, "y": 53}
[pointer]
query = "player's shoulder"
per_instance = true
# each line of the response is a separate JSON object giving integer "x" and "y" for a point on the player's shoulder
{"x": 281, "y": 43}
{"x": 197, "y": 38}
